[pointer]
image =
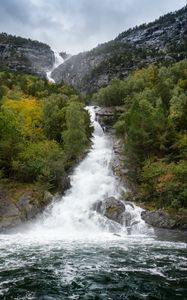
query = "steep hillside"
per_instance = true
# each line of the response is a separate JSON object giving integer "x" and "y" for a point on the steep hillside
{"x": 17, "y": 53}
{"x": 161, "y": 40}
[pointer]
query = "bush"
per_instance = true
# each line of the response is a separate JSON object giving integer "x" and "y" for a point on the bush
{"x": 42, "y": 161}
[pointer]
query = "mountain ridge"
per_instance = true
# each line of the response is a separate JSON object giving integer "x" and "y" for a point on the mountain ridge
{"x": 21, "y": 54}
{"x": 161, "y": 40}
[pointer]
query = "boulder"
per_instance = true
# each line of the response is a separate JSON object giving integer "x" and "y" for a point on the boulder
{"x": 10, "y": 215}
{"x": 111, "y": 208}
{"x": 158, "y": 218}
{"x": 28, "y": 208}
{"x": 21, "y": 203}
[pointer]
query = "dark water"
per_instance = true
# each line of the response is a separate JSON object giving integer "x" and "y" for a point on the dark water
{"x": 131, "y": 267}
{"x": 52, "y": 260}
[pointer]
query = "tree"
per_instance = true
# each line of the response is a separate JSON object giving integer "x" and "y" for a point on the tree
{"x": 75, "y": 136}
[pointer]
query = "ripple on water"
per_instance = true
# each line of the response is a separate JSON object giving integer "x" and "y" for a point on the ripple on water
{"x": 128, "y": 268}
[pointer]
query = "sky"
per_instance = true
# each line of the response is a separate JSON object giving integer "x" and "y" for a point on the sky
{"x": 78, "y": 25}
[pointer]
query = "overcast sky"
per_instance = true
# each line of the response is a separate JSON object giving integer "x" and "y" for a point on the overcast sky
{"x": 78, "y": 25}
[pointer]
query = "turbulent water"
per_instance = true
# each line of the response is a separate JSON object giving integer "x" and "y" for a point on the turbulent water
{"x": 72, "y": 252}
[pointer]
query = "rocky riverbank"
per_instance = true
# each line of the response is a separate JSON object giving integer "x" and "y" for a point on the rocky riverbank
{"x": 21, "y": 202}
{"x": 20, "y": 54}
{"x": 158, "y": 218}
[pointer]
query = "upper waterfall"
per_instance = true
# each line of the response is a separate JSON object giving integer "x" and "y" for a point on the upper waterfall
{"x": 58, "y": 61}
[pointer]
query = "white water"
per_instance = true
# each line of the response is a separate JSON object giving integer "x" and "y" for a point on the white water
{"x": 72, "y": 216}
{"x": 73, "y": 253}
{"x": 58, "y": 61}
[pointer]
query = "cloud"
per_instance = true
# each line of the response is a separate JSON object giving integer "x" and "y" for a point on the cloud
{"x": 78, "y": 25}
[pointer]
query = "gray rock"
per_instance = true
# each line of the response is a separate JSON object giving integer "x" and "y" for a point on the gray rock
{"x": 48, "y": 197}
{"x": 8, "y": 209}
{"x": 158, "y": 218}
{"x": 111, "y": 208}
{"x": 26, "y": 55}
{"x": 10, "y": 215}
{"x": 90, "y": 70}
{"x": 9, "y": 222}
{"x": 29, "y": 209}
{"x": 25, "y": 208}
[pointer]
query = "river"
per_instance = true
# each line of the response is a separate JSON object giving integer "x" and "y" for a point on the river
{"x": 72, "y": 252}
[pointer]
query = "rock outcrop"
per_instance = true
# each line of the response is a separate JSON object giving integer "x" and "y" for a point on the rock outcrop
{"x": 17, "y": 53}
{"x": 161, "y": 219}
{"x": 158, "y": 218}
{"x": 161, "y": 40}
{"x": 21, "y": 203}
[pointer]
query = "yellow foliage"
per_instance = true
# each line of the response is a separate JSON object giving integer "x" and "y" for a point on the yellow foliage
{"x": 163, "y": 182}
{"x": 29, "y": 112}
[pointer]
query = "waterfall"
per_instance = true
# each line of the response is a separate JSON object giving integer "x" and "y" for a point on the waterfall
{"x": 93, "y": 180}
{"x": 58, "y": 61}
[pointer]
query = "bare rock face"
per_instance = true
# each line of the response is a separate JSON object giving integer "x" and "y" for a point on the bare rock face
{"x": 21, "y": 204}
{"x": 74, "y": 69}
{"x": 158, "y": 218}
{"x": 10, "y": 215}
{"x": 22, "y": 54}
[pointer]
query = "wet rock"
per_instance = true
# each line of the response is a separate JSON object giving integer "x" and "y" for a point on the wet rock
{"x": 158, "y": 218}
{"x": 97, "y": 206}
{"x": 10, "y": 215}
{"x": 19, "y": 204}
{"x": 28, "y": 208}
{"x": 66, "y": 184}
{"x": 111, "y": 208}
{"x": 48, "y": 197}
{"x": 105, "y": 117}
{"x": 29, "y": 56}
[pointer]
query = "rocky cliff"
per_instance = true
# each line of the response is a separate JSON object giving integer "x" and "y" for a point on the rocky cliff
{"x": 161, "y": 40}
{"x": 17, "y": 53}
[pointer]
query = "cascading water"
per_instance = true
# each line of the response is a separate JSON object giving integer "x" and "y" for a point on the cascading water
{"x": 92, "y": 181}
{"x": 58, "y": 61}
{"x": 72, "y": 252}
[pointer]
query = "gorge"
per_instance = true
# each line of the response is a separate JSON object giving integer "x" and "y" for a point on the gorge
{"x": 72, "y": 251}
{"x": 93, "y": 167}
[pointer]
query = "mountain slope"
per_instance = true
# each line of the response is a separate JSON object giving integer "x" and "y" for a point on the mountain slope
{"x": 17, "y": 53}
{"x": 158, "y": 41}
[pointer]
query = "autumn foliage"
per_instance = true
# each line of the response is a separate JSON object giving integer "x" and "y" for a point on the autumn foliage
{"x": 43, "y": 128}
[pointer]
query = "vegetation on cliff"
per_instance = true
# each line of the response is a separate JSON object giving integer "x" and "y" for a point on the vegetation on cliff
{"x": 20, "y": 41}
{"x": 43, "y": 129}
{"x": 162, "y": 41}
{"x": 153, "y": 130}
{"x": 25, "y": 55}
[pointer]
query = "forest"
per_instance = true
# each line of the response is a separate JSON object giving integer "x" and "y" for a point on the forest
{"x": 44, "y": 129}
{"x": 153, "y": 130}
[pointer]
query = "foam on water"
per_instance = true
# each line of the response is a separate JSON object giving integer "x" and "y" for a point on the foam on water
{"x": 72, "y": 252}
{"x": 72, "y": 216}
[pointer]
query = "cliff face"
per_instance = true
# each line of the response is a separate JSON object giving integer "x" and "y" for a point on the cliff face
{"x": 161, "y": 40}
{"x": 22, "y": 54}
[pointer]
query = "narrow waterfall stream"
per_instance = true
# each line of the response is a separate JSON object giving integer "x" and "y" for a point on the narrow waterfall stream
{"x": 73, "y": 252}
{"x": 58, "y": 61}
